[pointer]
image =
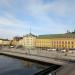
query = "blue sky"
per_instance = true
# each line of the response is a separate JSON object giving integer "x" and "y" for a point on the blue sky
{"x": 44, "y": 16}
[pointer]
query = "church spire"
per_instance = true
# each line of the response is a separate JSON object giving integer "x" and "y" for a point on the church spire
{"x": 30, "y": 28}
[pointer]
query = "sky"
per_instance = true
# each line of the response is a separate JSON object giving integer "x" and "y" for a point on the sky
{"x": 43, "y": 16}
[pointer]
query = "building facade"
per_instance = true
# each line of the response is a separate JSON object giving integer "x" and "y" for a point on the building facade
{"x": 43, "y": 43}
{"x": 57, "y": 41}
{"x": 4, "y": 42}
{"x": 28, "y": 41}
{"x": 54, "y": 41}
{"x": 63, "y": 43}
{"x": 15, "y": 41}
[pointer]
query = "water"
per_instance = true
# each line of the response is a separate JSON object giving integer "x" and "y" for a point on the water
{"x": 13, "y": 66}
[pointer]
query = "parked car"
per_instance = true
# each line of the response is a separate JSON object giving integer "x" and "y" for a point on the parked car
{"x": 53, "y": 49}
{"x": 63, "y": 50}
{"x": 11, "y": 46}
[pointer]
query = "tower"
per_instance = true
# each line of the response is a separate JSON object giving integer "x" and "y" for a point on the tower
{"x": 30, "y": 29}
{"x": 29, "y": 39}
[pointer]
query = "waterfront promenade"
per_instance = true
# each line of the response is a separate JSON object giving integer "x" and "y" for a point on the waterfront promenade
{"x": 33, "y": 55}
{"x": 67, "y": 61}
{"x": 56, "y": 55}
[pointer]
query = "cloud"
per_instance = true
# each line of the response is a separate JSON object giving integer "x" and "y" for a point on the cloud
{"x": 10, "y": 20}
{"x": 11, "y": 26}
{"x": 60, "y": 11}
{"x": 58, "y": 7}
{"x": 45, "y": 16}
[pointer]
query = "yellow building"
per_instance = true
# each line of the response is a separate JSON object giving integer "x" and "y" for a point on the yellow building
{"x": 28, "y": 41}
{"x": 58, "y": 41}
{"x": 1, "y": 41}
{"x": 63, "y": 43}
{"x": 55, "y": 41}
{"x": 20, "y": 42}
{"x": 43, "y": 43}
{"x": 15, "y": 41}
{"x": 4, "y": 42}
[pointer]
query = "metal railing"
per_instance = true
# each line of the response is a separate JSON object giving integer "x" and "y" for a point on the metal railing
{"x": 49, "y": 71}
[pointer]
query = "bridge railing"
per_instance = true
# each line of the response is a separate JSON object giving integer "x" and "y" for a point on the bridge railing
{"x": 49, "y": 71}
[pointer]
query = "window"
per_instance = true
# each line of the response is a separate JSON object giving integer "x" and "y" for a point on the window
{"x": 62, "y": 42}
{"x": 69, "y": 42}
{"x": 72, "y": 46}
{"x": 65, "y": 42}
{"x": 59, "y": 42}
{"x": 72, "y": 42}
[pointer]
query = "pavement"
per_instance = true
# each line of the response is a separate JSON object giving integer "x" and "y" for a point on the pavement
{"x": 68, "y": 69}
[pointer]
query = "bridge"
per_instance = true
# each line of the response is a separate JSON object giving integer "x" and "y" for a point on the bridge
{"x": 67, "y": 61}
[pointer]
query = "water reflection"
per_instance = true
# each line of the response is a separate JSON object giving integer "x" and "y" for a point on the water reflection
{"x": 12, "y": 66}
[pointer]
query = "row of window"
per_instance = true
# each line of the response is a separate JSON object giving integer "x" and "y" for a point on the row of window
{"x": 62, "y": 42}
{"x": 63, "y": 46}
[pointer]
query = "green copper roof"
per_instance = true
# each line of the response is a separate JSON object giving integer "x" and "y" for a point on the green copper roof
{"x": 67, "y": 35}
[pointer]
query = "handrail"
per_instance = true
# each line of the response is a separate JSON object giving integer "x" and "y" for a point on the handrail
{"x": 48, "y": 70}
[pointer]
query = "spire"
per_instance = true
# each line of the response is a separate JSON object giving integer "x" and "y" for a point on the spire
{"x": 30, "y": 28}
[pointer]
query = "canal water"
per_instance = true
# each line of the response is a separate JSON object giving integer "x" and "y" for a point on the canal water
{"x": 13, "y": 66}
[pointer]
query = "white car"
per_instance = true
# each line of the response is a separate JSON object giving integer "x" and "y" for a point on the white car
{"x": 11, "y": 46}
{"x": 63, "y": 50}
{"x": 53, "y": 49}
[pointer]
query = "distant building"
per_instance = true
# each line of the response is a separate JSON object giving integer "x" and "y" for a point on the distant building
{"x": 4, "y": 42}
{"x": 28, "y": 41}
{"x": 57, "y": 41}
{"x": 43, "y": 43}
{"x": 1, "y": 42}
{"x": 15, "y": 41}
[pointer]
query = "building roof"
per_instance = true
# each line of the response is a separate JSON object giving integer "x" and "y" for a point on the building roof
{"x": 17, "y": 38}
{"x": 30, "y": 34}
{"x": 4, "y": 39}
{"x": 66, "y": 35}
